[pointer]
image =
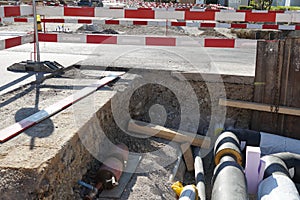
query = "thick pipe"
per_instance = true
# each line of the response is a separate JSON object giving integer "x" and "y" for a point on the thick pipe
{"x": 268, "y": 143}
{"x": 111, "y": 170}
{"x": 199, "y": 174}
{"x": 229, "y": 182}
{"x": 291, "y": 160}
{"x": 189, "y": 192}
{"x": 227, "y": 144}
{"x": 277, "y": 183}
{"x": 252, "y": 138}
{"x": 121, "y": 152}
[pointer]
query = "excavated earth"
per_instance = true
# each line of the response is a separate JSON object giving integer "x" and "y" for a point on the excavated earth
{"x": 47, "y": 160}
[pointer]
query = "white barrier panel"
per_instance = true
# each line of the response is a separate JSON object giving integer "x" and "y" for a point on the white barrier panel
{"x": 128, "y": 40}
{"x": 229, "y": 16}
{"x": 104, "y": 12}
{"x": 50, "y": 11}
{"x": 245, "y": 44}
{"x": 254, "y": 26}
{"x": 296, "y": 18}
{"x": 189, "y": 42}
{"x": 282, "y": 17}
{"x": 26, "y": 10}
{"x": 169, "y": 14}
{"x": 71, "y": 38}
{"x": 27, "y": 39}
{"x": 1, "y": 11}
{"x": 2, "y": 44}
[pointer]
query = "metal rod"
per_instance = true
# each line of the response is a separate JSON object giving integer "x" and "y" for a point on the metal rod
{"x": 36, "y": 31}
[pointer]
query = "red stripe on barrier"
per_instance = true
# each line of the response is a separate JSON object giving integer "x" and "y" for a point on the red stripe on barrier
{"x": 276, "y": 11}
{"x": 10, "y": 11}
{"x": 260, "y": 17}
{"x": 145, "y": 14}
{"x": 270, "y": 26}
{"x": 144, "y": 8}
{"x": 207, "y": 25}
{"x": 82, "y": 11}
{"x": 297, "y": 27}
{"x": 119, "y": 8}
{"x": 207, "y": 15}
{"x": 47, "y": 37}
{"x": 182, "y": 9}
{"x": 178, "y": 23}
{"x": 238, "y": 25}
{"x": 117, "y": 22}
{"x": 12, "y": 42}
{"x": 101, "y": 39}
{"x": 221, "y": 43}
{"x": 160, "y": 41}
{"x": 140, "y": 23}
{"x": 20, "y": 20}
{"x": 85, "y": 21}
{"x": 53, "y": 20}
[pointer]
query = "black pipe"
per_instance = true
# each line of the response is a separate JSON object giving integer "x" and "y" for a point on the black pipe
{"x": 252, "y": 138}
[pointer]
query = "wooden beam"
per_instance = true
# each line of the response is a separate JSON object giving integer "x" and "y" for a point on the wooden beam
{"x": 188, "y": 156}
{"x": 162, "y": 132}
{"x": 259, "y": 106}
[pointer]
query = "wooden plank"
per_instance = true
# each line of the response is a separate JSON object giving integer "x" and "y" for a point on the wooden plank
{"x": 165, "y": 133}
{"x": 188, "y": 156}
{"x": 265, "y": 77}
{"x": 132, "y": 163}
{"x": 290, "y": 87}
{"x": 17, "y": 128}
{"x": 258, "y": 106}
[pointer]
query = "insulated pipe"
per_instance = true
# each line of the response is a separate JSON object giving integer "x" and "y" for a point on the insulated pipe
{"x": 229, "y": 182}
{"x": 291, "y": 160}
{"x": 277, "y": 184}
{"x": 268, "y": 143}
{"x": 199, "y": 175}
{"x": 227, "y": 144}
{"x": 189, "y": 192}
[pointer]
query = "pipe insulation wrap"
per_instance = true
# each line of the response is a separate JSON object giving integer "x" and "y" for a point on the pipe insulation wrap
{"x": 270, "y": 144}
{"x": 277, "y": 187}
{"x": 227, "y": 144}
{"x": 199, "y": 173}
{"x": 277, "y": 183}
{"x": 252, "y": 138}
{"x": 229, "y": 182}
{"x": 189, "y": 192}
{"x": 292, "y": 161}
{"x": 274, "y": 165}
{"x": 199, "y": 177}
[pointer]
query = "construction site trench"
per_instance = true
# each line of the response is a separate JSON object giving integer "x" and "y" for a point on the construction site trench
{"x": 47, "y": 160}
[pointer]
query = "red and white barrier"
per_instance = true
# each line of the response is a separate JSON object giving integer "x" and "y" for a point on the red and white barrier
{"x": 19, "y": 127}
{"x": 14, "y": 11}
{"x": 153, "y": 22}
{"x": 147, "y": 40}
{"x": 16, "y": 41}
{"x": 190, "y": 14}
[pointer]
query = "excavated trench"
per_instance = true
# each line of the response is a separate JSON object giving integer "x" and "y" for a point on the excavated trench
{"x": 47, "y": 160}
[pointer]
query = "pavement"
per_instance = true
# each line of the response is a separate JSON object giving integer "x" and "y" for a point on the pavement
{"x": 188, "y": 59}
